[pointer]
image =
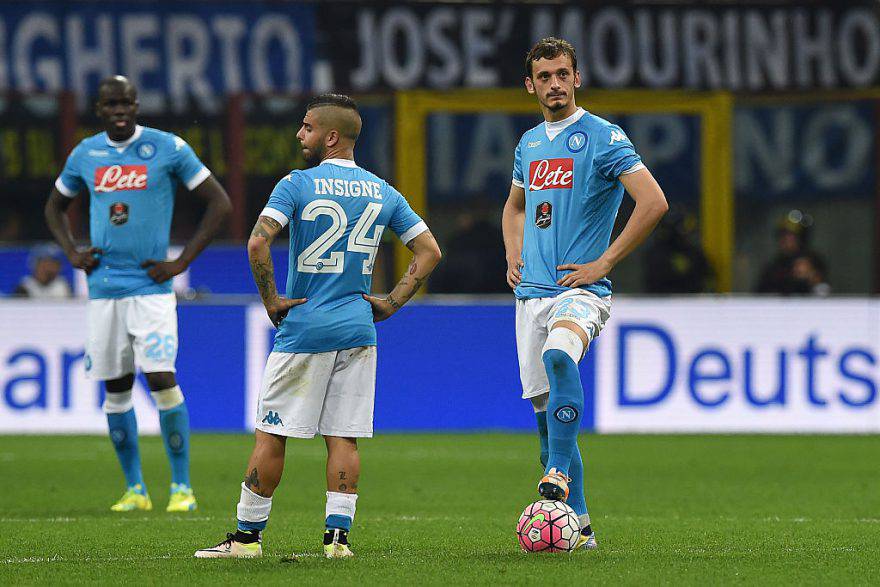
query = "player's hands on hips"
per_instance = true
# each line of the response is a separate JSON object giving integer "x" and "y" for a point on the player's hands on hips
{"x": 279, "y": 307}
{"x": 583, "y": 274}
{"x": 85, "y": 260}
{"x": 162, "y": 271}
{"x": 514, "y": 271}
{"x": 382, "y": 308}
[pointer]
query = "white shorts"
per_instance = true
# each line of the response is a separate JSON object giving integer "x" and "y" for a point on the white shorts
{"x": 124, "y": 332}
{"x": 330, "y": 393}
{"x": 534, "y": 319}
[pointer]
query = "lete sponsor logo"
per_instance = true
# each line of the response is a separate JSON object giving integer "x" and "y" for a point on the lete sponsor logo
{"x": 551, "y": 174}
{"x": 120, "y": 178}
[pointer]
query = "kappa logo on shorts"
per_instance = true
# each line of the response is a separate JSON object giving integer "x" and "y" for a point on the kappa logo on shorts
{"x": 273, "y": 419}
{"x": 566, "y": 414}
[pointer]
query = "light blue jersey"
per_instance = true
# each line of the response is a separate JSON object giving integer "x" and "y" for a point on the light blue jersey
{"x": 569, "y": 170}
{"x": 132, "y": 186}
{"x": 337, "y": 213}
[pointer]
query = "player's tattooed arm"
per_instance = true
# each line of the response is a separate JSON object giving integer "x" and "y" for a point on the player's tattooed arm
{"x": 260, "y": 257}
{"x": 426, "y": 255}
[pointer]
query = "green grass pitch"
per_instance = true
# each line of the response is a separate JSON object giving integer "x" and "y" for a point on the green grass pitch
{"x": 441, "y": 509}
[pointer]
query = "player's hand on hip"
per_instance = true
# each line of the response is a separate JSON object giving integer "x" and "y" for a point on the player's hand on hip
{"x": 279, "y": 307}
{"x": 514, "y": 271}
{"x": 86, "y": 260}
{"x": 162, "y": 271}
{"x": 583, "y": 274}
{"x": 382, "y": 308}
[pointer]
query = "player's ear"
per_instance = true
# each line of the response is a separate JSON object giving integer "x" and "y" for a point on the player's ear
{"x": 577, "y": 78}
{"x": 530, "y": 86}
{"x": 332, "y": 138}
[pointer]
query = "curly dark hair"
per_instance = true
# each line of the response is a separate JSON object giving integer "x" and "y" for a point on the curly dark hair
{"x": 551, "y": 48}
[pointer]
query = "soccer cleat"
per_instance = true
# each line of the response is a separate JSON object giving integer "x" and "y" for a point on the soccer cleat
{"x": 554, "y": 486}
{"x": 232, "y": 548}
{"x": 336, "y": 544}
{"x": 586, "y": 541}
{"x": 134, "y": 498}
{"x": 182, "y": 499}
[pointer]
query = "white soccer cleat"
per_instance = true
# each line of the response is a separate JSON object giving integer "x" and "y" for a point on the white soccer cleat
{"x": 231, "y": 548}
{"x": 336, "y": 544}
{"x": 586, "y": 542}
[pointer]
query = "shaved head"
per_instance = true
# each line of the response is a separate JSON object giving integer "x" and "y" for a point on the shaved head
{"x": 117, "y": 82}
{"x": 343, "y": 120}
{"x": 337, "y": 112}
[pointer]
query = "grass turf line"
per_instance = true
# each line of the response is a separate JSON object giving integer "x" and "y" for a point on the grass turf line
{"x": 442, "y": 509}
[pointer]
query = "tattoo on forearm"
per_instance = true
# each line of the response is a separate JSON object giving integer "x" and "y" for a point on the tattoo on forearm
{"x": 266, "y": 227}
{"x": 394, "y": 303}
{"x": 252, "y": 480}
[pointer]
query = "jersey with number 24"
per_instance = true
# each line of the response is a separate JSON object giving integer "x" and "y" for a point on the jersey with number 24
{"x": 337, "y": 214}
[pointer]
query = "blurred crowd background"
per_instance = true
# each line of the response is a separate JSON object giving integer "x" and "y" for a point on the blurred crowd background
{"x": 803, "y": 80}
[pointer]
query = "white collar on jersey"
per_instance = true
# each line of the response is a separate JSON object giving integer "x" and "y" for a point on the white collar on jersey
{"x": 121, "y": 145}
{"x": 554, "y": 128}
{"x": 340, "y": 162}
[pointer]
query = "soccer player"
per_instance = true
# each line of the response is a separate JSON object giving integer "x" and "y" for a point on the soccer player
{"x": 131, "y": 173}
{"x": 321, "y": 376}
{"x": 569, "y": 175}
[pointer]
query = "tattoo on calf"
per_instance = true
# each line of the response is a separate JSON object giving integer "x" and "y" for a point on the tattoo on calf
{"x": 252, "y": 480}
{"x": 342, "y": 487}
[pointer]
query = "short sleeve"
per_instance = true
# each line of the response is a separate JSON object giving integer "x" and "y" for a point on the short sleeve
{"x": 187, "y": 166}
{"x": 517, "y": 166}
{"x": 283, "y": 199}
{"x": 405, "y": 223}
{"x": 615, "y": 154}
{"x": 71, "y": 182}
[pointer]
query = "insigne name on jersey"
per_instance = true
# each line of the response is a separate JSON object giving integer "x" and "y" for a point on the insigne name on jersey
{"x": 551, "y": 174}
{"x": 533, "y": 144}
{"x": 98, "y": 153}
{"x": 617, "y": 135}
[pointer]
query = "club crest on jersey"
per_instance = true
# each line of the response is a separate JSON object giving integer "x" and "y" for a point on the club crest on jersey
{"x": 117, "y": 178}
{"x": 543, "y": 214}
{"x": 577, "y": 141}
{"x": 118, "y": 213}
{"x": 551, "y": 174}
{"x": 146, "y": 150}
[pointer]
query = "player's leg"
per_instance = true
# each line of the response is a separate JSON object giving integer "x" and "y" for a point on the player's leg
{"x": 574, "y": 322}
{"x": 343, "y": 474}
{"x": 530, "y": 337}
{"x": 291, "y": 398}
{"x": 174, "y": 424}
{"x": 152, "y": 322}
{"x": 347, "y": 415}
{"x": 110, "y": 358}
{"x": 122, "y": 423}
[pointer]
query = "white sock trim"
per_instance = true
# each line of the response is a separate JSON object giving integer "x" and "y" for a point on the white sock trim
{"x": 584, "y": 521}
{"x": 117, "y": 403}
{"x": 341, "y": 504}
{"x": 168, "y": 398}
{"x": 253, "y": 507}
{"x": 563, "y": 339}
{"x": 539, "y": 402}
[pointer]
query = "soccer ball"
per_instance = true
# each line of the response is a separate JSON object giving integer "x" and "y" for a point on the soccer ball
{"x": 548, "y": 525}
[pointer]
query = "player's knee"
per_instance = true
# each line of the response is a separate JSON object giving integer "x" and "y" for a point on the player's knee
{"x": 562, "y": 344}
{"x": 167, "y": 399}
{"x": 117, "y": 402}
{"x": 160, "y": 381}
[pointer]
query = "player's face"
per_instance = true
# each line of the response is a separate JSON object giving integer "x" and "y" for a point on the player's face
{"x": 312, "y": 138}
{"x": 553, "y": 81}
{"x": 117, "y": 107}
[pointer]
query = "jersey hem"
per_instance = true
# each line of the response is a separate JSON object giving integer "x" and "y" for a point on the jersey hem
{"x": 316, "y": 350}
